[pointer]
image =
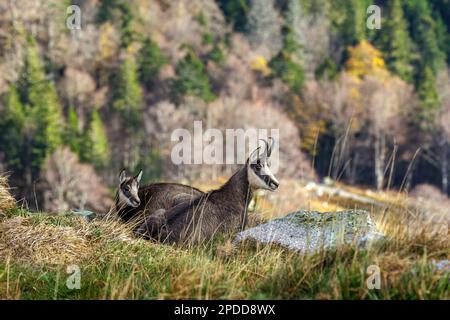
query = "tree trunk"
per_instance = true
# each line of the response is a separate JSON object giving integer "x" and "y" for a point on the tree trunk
{"x": 444, "y": 168}
{"x": 380, "y": 143}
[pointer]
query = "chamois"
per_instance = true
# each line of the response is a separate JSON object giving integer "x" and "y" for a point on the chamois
{"x": 217, "y": 211}
{"x": 134, "y": 203}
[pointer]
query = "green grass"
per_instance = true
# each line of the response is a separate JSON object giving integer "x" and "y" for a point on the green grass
{"x": 112, "y": 268}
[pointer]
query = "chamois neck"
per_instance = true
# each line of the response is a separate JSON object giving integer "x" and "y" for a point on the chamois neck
{"x": 238, "y": 187}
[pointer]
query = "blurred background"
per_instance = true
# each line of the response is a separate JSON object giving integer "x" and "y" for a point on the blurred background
{"x": 369, "y": 108}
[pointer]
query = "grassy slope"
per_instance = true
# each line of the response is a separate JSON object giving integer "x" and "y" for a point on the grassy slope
{"x": 37, "y": 249}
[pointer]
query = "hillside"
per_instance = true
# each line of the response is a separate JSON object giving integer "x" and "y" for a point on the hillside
{"x": 105, "y": 86}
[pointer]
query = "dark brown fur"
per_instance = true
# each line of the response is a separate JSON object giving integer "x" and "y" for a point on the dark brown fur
{"x": 154, "y": 197}
{"x": 195, "y": 221}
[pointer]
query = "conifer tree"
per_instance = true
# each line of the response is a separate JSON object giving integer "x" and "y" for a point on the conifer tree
{"x": 119, "y": 12}
{"x": 12, "y": 126}
{"x": 286, "y": 64}
{"x": 235, "y": 12}
{"x": 72, "y": 134}
{"x": 95, "y": 147}
{"x": 150, "y": 61}
{"x": 42, "y": 107}
{"x": 348, "y": 18}
{"x": 423, "y": 30}
{"x": 395, "y": 41}
{"x": 127, "y": 97}
{"x": 429, "y": 98}
{"x": 192, "y": 78}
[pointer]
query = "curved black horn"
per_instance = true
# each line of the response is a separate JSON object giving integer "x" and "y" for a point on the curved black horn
{"x": 266, "y": 149}
{"x": 251, "y": 154}
{"x": 272, "y": 142}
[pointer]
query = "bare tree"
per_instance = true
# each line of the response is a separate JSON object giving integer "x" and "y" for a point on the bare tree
{"x": 310, "y": 27}
{"x": 385, "y": 102}
{"x": 68, "y": 184}
{"x": 264, "y": 28}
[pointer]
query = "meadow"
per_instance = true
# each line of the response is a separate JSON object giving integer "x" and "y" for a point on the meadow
{"x": 38, "y": 250}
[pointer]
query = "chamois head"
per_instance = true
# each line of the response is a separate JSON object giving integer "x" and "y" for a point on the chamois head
{"x": 128, "y": 189}
{"x": 258, "y": 168}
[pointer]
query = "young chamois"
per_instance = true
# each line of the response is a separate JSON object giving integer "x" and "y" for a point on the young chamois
{"x": 134, "y": 202}
{"x": 218, "y": 211}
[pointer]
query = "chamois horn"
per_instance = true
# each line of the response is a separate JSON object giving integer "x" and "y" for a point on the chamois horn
{"x": 253, "y": 152}
{"x": 267, "y": 150}
{"x": 272, "y": 142}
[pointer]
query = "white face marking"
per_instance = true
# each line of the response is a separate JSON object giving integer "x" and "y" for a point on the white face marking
{"x": 134, "y": 195}
{"x": 256, "y": 182}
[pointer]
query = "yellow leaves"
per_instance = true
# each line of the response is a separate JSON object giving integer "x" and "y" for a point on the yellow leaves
{"x": 133, "y": 48}
{"x": 310, "y": 135}
{"x": 354, "y": 93}
{"x": 259, "y": 64}
{"x": 107, "y": 42}
{"x": 366, "y": 60}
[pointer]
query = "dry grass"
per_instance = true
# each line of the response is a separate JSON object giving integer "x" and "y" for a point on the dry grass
{"x": 41, "y": 244}
{"x": 6, "y": 200}
{"x": 43, "y": 239}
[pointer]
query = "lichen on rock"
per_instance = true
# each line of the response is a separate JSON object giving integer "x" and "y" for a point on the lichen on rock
{"x": 311, "y": 231}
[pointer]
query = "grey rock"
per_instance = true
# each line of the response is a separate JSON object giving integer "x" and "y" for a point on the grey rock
{"x": 442, "y": 265}
{"x": 86, "y": 214}
{"x": 311, "y": 231}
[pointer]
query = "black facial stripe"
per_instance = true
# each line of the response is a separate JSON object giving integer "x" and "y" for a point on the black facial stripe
{"x": 126, "y": 185}
{"x": 264, "y": 177}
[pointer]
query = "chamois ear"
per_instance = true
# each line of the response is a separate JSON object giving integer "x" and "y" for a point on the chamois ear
{"x": 122, "y": 175}
{"x": 139, "y": 176}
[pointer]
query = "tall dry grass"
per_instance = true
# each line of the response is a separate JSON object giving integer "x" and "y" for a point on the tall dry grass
{"x": 6, "y": 200}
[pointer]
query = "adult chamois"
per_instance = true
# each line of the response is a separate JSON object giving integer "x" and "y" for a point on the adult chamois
{"x": 217, "y": 211}
{"x": 134, "y": 202}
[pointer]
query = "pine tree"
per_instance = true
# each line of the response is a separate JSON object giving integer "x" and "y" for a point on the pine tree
{"x": 285, "y": 64}
{"x": 12, "y": 126}
{"x": 118, "y": 11}
{"x": 126, "y": 27}
{"x": 127, "y": 97}
{"x": 443, "y": 36}
{"x": 395, "y": 41}
{"x": 235, "y": 12}
{"x": 72, "y": 133}
{"x": 153, "y": 164}
{"x": 95, "y": 147}
{"x": 429, "y": 98}
{"x": 150, "y": 61}
{"x": 192, "y": 78}
{"x": 42, "y": 108}
{"x": 423, "y": 30}
{"x": 441, "y": 15}
{"x": 431, "y": 58}
{"x": 348, "y": 19}
{"x": 106, "y": 10}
